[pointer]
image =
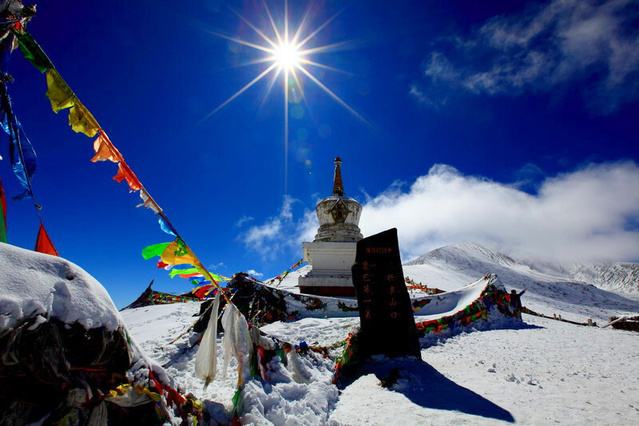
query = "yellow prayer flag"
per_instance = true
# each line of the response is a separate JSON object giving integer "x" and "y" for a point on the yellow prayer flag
{"x": 178, "y": 253}
{"x": 59, "y": 92}
{"x": 82, "y": 121}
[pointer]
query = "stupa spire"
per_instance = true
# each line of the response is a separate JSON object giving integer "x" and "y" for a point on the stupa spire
{"x": 338, "y": 184}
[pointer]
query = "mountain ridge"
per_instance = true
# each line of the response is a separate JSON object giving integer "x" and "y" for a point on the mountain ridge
{"x": 619, "y": 277}
{"x": 451, "y": 267}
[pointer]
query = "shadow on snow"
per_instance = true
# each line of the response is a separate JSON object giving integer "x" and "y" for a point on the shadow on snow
{"x": 425, "y": 386}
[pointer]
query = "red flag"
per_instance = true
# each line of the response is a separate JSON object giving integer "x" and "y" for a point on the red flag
{"x": 3, "y": 215}
{"x": 202, "y": 292}
{"x": 44, "y": 244}
{"x": 3, "y": 203}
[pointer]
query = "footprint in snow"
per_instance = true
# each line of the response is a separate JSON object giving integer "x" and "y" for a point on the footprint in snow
{"x": 511, "y": 378}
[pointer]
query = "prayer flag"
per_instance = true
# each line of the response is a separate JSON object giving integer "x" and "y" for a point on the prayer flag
{"x": 3, "y": 215}
{"x": 165, "y": 266}
{"x": 178, "y": 253}
{"x": 44, "y": 243}
{"x": 103, "y": 149}
{"x": 82, "y": 121}
{"x": 219, "y": 278}
{"x": 203, "y": 291}
{"x": 181, "y": 272}
{"x": 32, "y": 51}
{"x": 164, "y": 226}
{"x": 58, "y": 91}
{"x": 22, "y": 156}
{"x": 193, "y": 275}
{"x": 209, "y": 275}
{"x": 125, "y": 173}
{"x": 148, "y": 202}
{"x": 154, "y": 250}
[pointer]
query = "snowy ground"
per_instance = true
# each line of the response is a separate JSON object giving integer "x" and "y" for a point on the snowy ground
{"x": 543, "y": 373}
{"x": 155, "y": 327}
{"x": 549, "y": 372}
{"x": 281, "y": 401}
{"x": 552, "y": 373}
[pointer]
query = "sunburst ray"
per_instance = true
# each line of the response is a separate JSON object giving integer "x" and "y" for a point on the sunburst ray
{"x": 242, "y": 90}
{"x": 287, "y": 56}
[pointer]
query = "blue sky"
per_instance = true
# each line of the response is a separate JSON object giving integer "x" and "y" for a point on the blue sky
{"x": 528, "y": 110}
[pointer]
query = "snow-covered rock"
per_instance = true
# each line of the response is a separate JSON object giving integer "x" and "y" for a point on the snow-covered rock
{"x": 63, "y": 342}
{"x": 34, "y": 284}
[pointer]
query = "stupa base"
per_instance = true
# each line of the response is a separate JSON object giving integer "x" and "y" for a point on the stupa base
{"x": 328, "y": 291}
{"x": 327, "y": 285}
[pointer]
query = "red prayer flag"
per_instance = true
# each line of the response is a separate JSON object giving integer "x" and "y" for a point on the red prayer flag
{"x": 125, "y": 173}
{"x": 44, "y": 243}
{"x": 3, "y": 215}
{"x": 202, "y": 292}
{"x": 3, "y": 203}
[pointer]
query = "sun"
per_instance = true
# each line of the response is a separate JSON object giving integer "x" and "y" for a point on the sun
{"x": 287, "y": 56}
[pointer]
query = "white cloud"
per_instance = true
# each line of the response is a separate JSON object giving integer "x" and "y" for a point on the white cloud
{"x": 254, "y": 273}
{"x": 589, "y": 214}
{"x": 276, "y": 234}
{"x": 544, "y": 47}
{"x": 243, "y": 221}
{"x": 583, "y": 215}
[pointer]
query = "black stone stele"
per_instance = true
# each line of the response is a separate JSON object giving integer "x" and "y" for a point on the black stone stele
{"x": 387, "y": 325}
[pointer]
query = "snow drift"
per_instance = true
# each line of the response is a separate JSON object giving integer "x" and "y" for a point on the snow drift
{"x": 65, "y": 354}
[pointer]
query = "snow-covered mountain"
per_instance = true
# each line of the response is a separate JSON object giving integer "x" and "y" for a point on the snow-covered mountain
{"x": 616, "y": 276}
{"x": 573, "y": 290}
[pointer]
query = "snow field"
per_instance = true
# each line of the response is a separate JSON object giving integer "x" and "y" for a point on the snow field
{"x": 282, "y": 401}
{"x": 549, "y": 372}
{"x": 555, "y": 373}
{"x": 545, "y": 372}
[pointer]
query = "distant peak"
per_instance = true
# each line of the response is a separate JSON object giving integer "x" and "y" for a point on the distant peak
{"x": 465, "y": 250}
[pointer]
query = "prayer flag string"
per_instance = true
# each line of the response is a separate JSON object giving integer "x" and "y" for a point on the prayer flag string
{"x": 81, "y": 120}
{"x": 22, "y": 156}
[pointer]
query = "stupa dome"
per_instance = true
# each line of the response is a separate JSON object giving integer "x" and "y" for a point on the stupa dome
{"x": 338, "y": 215}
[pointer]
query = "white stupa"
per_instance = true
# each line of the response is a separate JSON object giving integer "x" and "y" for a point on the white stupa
{"x": 332, "y": 252}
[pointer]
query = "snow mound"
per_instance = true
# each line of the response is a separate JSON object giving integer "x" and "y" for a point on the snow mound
{"x": 452, "y": 302}
{"x": 34, "y": 284}
{"x": 67, "y": 353}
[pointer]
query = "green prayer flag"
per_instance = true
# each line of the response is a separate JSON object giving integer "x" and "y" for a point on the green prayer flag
{"x": 175, "y": 272}
{"x": 219, "y": 278}
{"x": 3, "y": 227}
{"x": 32, "y": 51}
{"x": 154, "y": 250}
